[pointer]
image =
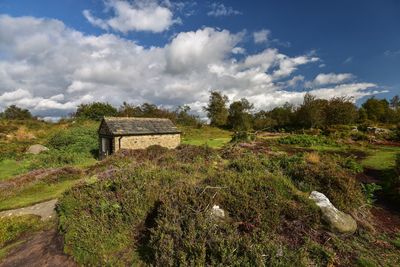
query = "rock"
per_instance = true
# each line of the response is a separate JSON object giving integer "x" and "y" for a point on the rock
{"x": 337, "y": 220}
{"x": 217, "y": 212}
{"x": 36, "y": 149}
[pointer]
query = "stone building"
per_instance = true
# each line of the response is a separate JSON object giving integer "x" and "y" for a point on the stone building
{"x": 117, "y": 133}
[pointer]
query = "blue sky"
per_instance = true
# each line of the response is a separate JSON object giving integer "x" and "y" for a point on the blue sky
{"x": 174, "y": 52}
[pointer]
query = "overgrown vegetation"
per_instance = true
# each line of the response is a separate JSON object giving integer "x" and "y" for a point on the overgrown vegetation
{"x": 155, "y": 207}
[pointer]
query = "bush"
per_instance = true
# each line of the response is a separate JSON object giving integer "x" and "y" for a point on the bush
{"x": 187, "y": 234}
{"x": 76, "y": 139}
{"x": 305, "y": 140}
{"x": 242, "y": 137}
{"x": 95, "y": 111}
{"x": 328, "y": 177}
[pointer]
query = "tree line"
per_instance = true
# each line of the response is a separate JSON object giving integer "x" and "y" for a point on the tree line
{"x": 240, "y": 115}
{"x": 312, "y": 113}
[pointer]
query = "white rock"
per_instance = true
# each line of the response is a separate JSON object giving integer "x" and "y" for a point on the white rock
{"x": 337, "y": 220}
{"x": 216, "y": 211}
{"x": 36, "y": 149}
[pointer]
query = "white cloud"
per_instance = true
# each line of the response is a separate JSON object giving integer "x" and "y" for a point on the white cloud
{"x": 330, "y": 78}
{"x": 51, "y": 68}
{"x": 140, "y": 15}
{"x": 261, "y": 36}
{"x": 219, "y": 9}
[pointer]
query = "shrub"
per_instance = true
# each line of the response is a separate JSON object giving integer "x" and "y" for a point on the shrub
{"x": 186, "y": 234}
{"x": 369, "y": 191}
{"x": 351, "y": 164}
{"x": 76, "y": 139}
{"x": 305, "y": 140}
{"x": 328, "y": 177}
{"x": 242, "y": 137}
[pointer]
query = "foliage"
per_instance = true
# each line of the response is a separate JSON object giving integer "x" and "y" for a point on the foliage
{"x": 11, "y": 228}
{"x": 377, "y": 110}
{"x": 95, "y": 111}
{"x": 239, "y": 118}
{"x": 16, "y": 113}
{"x": 243, "y": 136}
{"x": 329, "y": 178}
{"x": 369, "y": 191}
{"x": 351, "y": 164}
{"x": 154, "y": 208}
{"x": 305, "y": 140}
{"x": 340, "y": 110}
{"x": 216, "y": 109}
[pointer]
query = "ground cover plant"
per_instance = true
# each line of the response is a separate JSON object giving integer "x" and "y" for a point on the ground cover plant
{"x": 155, "y": 207}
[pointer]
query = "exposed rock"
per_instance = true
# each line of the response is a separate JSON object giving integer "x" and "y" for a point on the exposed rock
{"x": 337, "y": 220}
{"x": 36, "y": 149}
{"x": 217, "y": 212}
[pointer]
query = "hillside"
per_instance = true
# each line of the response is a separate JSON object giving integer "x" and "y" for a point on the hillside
{"x": 235, "y": 204}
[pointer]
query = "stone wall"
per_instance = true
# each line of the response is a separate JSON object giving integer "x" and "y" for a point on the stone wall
{"x": 144, "y": 141}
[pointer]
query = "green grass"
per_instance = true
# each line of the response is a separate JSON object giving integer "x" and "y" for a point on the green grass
{"x": 211, "y": 136}
{"x": 381, "y": 158}
{"x": 36, "y": 193}
{"x": 11, "y": 167}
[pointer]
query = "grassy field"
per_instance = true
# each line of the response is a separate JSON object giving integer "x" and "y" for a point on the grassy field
{"x": 381, "y": 157}
{"x": 12, "y": 167}
{"x": 210, "y": 136}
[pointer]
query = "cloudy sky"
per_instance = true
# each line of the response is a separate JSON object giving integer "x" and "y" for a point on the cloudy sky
{"x": 55, "y": 55}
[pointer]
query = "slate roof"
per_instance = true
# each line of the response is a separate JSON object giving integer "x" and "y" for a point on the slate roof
{"x": 136, "y": 126}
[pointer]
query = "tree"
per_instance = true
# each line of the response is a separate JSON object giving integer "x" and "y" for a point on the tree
{"x": 283, "y": 115}
{"x": 95, "y": 111}
{"x": 128, "y": 110}
{"x": 311, "y": 113}
{"x": 16, "y": 113}
{"x": 340, "y": 110}
{"x": 377, "y": 110}
{"x": 362, "y": 115}
{"x": 183, "y": 116}
{"x": 239, "y": 118}
{"x": 216, "y": 109}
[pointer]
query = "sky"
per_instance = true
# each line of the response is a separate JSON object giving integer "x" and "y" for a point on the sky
{"x": 55, "y": 55}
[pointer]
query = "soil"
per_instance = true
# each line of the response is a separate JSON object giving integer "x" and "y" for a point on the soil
{"x": 386, "y": 220}
{"x": 42, "y": 249}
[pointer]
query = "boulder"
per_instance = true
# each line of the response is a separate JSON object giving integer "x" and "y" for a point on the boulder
{"x": 36, "y": 149}
{"x": 337, "y": 220}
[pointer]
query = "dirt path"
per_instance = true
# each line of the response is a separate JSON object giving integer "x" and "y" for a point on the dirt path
{"x": 44, "y": 249}
{"x": 44, "y": 210}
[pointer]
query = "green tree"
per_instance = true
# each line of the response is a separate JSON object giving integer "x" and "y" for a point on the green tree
{"x": 16, "y": 113}
{"x": 340, "y": 110}
{"x": 183, "y": 117}
{"x": 377, "y": 109}
{"x": 216, "y": 109}
{"x": 362, "y": 115}
{"x": 239, "y": 117}
{"x": 95, "y": 111}
{"x": 128, "y": 110}
{"x": 311, "y": 113}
